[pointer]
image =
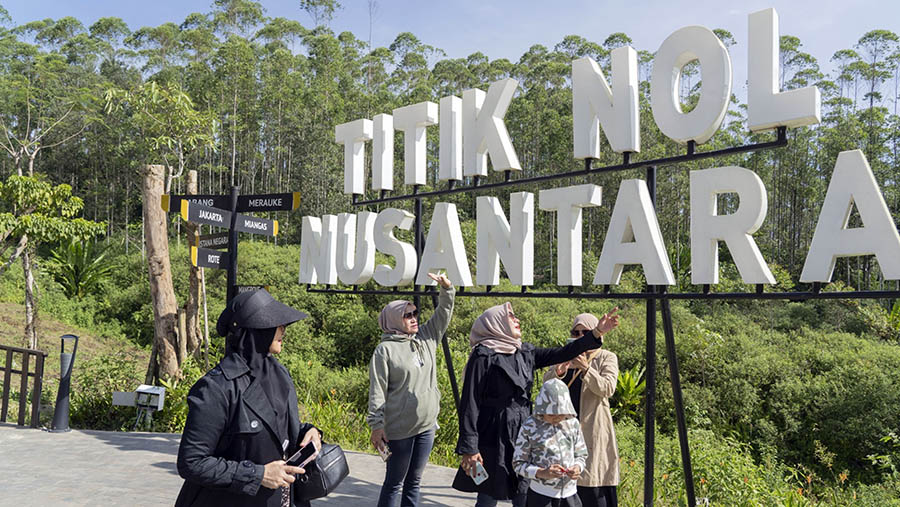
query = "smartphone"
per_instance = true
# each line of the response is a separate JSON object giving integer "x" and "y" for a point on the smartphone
{"x": 385, "y": 452}
{"x": 480, "y": 475}
{"x": 303, "y": 456}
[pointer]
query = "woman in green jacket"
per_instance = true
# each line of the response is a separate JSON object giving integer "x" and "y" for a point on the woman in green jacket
{"x": 404, "y": 399}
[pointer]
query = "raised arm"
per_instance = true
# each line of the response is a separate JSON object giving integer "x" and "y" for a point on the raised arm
{"x": 554, "y": 355}
{"x": 437, "y": 325}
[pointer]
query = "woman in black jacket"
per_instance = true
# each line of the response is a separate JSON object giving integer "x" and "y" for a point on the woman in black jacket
{"x": 496, "y": 399}
{"x": 242, "y": 416}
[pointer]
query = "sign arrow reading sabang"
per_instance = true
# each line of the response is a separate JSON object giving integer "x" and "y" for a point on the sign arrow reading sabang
{"x": 260, "y": 202}
{"x": 206, "y": 258}
{"x": 200, "y": 214}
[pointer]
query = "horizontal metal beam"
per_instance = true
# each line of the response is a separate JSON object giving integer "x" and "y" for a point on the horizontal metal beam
{"x": 791, "y": 296}
{"x": 690, "y": 156}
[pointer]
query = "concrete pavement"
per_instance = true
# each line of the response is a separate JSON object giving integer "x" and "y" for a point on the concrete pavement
{"x": 38, "y": 468}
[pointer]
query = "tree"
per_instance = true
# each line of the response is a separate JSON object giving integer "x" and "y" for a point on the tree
{"x": 168, "y": 126}
{"x": 33, "y": 211}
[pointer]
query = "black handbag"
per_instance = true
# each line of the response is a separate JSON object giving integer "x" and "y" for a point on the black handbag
{"x": 324, "y": 473}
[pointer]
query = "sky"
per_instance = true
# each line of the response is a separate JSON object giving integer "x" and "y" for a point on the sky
{"x": 507, "y": 28}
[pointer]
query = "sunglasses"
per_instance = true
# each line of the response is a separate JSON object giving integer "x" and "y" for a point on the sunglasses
{"x": 411, "y": 315}
{"x": 579, "y": 334}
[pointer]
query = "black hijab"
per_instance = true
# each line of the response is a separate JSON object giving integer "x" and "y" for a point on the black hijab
{"x": 252, "y": 345}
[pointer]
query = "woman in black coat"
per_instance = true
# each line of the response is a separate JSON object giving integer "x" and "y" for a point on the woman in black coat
{"x": 496, "y": 399}
{"x": 242, "y": 416}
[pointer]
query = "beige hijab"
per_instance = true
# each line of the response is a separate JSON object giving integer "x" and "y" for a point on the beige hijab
{"x": 585, "y": 319}
{"x": 493, "y": 330}
{"x": 391, "y": 317}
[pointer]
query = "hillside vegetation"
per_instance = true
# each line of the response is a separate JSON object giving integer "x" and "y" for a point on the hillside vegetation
{"x": 786, "y": 402}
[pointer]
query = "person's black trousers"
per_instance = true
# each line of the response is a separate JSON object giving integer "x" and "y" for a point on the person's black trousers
{"x": 536, "y": 499}
{"x": 600, "y": 496}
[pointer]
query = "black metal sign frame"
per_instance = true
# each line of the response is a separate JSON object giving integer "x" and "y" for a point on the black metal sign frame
{"x": 652, "y": 295}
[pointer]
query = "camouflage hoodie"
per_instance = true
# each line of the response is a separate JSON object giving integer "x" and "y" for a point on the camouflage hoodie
{"x": 541, "y": 444}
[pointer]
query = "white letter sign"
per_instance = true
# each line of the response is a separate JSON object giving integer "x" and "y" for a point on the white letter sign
{"x": 484, "y": 131}
{"x": 685, "y": 45}
{"x": 317, "y": 250}
{"x": 594, "y": 105}
{"x": 353, "y": 136}
{"x": 356, "y": 247}
{"x": 634, "y": 237}
{"x": 768, "y": 108}
{"x": 707, "y": 228}
{"x": 444, "y": 248}
{"x": 404, "y": 254}
{"x": 412, "y": 120}
{"x": 567, "y": 203}
{"x": 498, "y": 240}
{"x": 852, "y": 183}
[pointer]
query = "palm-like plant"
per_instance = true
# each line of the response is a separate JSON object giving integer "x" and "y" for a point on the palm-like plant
{"x": 629, "y": 393}
{"x": 79, "y": 267}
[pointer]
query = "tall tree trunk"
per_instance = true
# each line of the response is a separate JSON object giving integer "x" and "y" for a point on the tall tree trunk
{"x": 30, "y": 306}
{"x": 162, "y": 292}
{"x": 193, "y": 337}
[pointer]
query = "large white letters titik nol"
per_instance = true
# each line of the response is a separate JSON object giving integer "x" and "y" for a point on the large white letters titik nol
{"x": 852, "y": 183}
{"x": 353, "y": 135}
{"x": 484, "y": 131}
{"x": 412, "y": 120}
{"x": 633, "y": 237}
{"x": 768, "y": 108}
{"x": 595, "y": 105}
{"x": 498, "y": 240}
{"x": 683, "y": 46}
{"x": 708, "y": 228}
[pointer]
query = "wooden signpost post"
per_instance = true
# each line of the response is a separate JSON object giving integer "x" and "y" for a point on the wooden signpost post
{"x": 225, "y": 211}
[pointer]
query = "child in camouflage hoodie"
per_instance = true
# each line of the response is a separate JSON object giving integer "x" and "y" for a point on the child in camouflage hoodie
{"x": 550, "y": 449}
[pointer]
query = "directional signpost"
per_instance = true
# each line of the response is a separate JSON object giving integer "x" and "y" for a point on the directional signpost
{"x": 226, "y": 212}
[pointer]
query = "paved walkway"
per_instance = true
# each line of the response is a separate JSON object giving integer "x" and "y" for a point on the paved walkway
{"x": 38, "y": 468}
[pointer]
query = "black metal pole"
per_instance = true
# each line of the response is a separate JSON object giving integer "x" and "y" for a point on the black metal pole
{"x": 675, "y": 378}
{"x": 232, "y": 247}
{"x": 650, "y": 379}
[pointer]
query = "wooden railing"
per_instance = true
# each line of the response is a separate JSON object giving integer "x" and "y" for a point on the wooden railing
{"x": 38, "y": 374}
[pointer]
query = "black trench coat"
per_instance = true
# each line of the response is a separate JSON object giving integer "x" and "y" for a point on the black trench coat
{"x": 229, "y": 437}
{"x": 496, "y": 400}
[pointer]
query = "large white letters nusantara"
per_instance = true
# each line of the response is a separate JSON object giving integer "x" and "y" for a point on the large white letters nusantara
{"x": 473, "y": 135}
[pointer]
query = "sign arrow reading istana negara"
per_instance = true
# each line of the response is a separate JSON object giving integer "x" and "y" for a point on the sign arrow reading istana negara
{"x": 206, "y": 258}
{"x": 215, "y": 241}
{"x": 207, "y": 215}
{"x": 260, "y": 202}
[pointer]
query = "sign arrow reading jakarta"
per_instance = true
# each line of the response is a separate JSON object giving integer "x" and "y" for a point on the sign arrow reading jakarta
{"x": 205, "y": 258}
{"x": 208, "y": 215}
{"x": 260, "y": 202}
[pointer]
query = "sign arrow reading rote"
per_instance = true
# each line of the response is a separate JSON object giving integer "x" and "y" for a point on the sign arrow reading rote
{"x": 206, "y": 258}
